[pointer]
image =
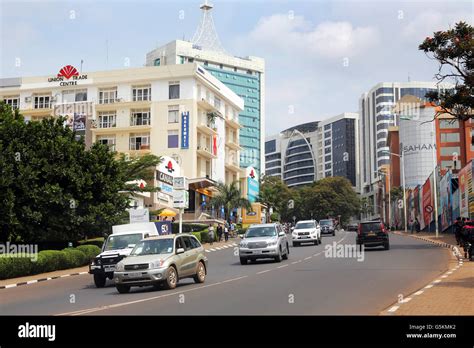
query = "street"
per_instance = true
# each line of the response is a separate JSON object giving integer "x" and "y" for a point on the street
{"x": 308, "y": 283}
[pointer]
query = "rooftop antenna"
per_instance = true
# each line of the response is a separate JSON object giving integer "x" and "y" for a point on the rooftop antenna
{"x": 206, "y": 35}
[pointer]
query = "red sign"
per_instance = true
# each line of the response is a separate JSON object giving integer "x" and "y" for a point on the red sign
{"x": 214, "y": 145}
{"x": 68, "y": 71}
{"x": 427, "y": 202}
{"x": 169, "y": 167}
{"x": 429, "y": 209}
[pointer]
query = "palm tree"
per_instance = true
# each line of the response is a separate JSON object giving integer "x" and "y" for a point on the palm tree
{"x": 230, "y": 197}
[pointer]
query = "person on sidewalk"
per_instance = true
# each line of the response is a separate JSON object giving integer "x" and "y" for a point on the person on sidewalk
{"x": 232, "y": 230}
{"x": 457, "y": 230}
{"x": 226, "y": 233}
{"x": 210, "y": 234}
{"x": 219, "y": 232}
{"x": 412, "y": 226}
{"x": 417, "y": 225}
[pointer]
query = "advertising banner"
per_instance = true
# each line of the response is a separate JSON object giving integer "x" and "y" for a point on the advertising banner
{"x": 163, "y": 227}
{"x": 446, "y": 201}
{"x": 456, "y": 198}
{"x": 427, "y": 202}
{"x": 185, "y": 130}
{"x": 464, "y": 180}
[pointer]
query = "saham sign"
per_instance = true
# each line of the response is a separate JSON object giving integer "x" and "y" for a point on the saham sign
{"x": 67, "y": 76}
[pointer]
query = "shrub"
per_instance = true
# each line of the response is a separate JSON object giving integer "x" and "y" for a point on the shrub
{"x": 96, "y": 241}
{"x": 188, "y": 227}
{"x": 11, "y": 267}
{"x": 49, "y": 261}
{"x": 74, "y": 258}
{"x": 91, "y": 251}
{"x": 197, "y": 235}
{"x": 205, "y": 236}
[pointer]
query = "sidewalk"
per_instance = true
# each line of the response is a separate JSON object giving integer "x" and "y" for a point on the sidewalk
{"x": 449, "y": 294}
{"x": 13, "y": 282}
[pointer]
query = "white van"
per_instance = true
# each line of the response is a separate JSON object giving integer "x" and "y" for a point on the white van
{"x": 117, "y": 246}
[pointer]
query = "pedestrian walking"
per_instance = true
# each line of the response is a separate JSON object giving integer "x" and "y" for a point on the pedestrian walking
{"x": 226, "y": 233}
{"x": 457, "y": 230}
{"x": 232, "y": 230}
{"x": 210, "y": 234}
{"x": 219, "y": 232}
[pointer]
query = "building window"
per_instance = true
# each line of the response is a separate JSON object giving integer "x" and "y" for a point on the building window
{"x": 174, "y": 90}
{"x": 141, "y": 93}
{"x": 140, "y": 141}
{"x": 450, "y": 137}
{"x": 107, "y": 95}
{"x": 270, "y": 146}
{"x": 327, "y": 158}
{"x": 14, "y": 102}
{"x": 190, "y": 60}
{"x": 140, "y": 117}
{"x": 217, "y": 103}
{"x": 172, "y": 139}
{"x": 107, "y": 119}
{"x": 157, "y": 62}
{"x": 73, "y": 96}
{"x": 173, "y": 114}
{"x": 107, "y": 140}
{"x": 181, "y": 60}
{"x": 447, "y": 124}
{"x": 449, "y": 151}
{"x": 42, "y": 102}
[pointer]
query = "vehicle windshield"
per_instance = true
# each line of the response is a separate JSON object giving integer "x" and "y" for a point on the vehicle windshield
{"x": 121, "y": 241}
{"x": 151, "y": 247}
{"x": 325, "y": 222}
{"x": 261, "y": 232}
{"x": 301, "y": 225}
{"x": 372, "y": 226}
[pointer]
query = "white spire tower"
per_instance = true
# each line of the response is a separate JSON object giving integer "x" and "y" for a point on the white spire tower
{"x": 206, "y": 35}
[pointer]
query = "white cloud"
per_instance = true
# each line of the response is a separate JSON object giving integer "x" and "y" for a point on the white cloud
{"x": 328, "y": 39}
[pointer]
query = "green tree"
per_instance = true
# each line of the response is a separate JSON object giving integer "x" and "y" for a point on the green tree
{"x": 51, "y": 187}
{"x": 230, "y": 197}
{"x": 274, "y": 194}
{"x": 454, "y": 50}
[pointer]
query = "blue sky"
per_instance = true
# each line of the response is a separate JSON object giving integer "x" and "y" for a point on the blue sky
{"x": 320, "y": 55}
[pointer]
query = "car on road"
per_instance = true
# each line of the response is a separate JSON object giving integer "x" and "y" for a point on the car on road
{"x": 327, "y": 226}
{"x": 162, "y": 261}
{"x": 372, "y": 234}
{"x": 264, "y": 241}
{"x": 306, "y": 231}
{"x": 116, "y": 247}
{"x": 352, "y": 226}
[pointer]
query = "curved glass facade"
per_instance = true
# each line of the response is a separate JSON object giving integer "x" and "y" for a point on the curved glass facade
{"x": 299, "y": 163}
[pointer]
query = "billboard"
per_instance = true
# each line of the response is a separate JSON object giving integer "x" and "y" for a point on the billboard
{"x": 427, "y": 202}
{"x": 253, "y": 186}
{"x": 465, "y": 180}
{"x": 446, "y": 201}
{"x": 185, "y": 130}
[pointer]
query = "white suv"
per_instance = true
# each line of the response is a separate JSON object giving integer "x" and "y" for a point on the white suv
{"x": 307, "y": 231}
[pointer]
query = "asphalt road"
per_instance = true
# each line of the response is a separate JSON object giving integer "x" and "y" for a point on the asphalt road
{"x": 308, "y": 283}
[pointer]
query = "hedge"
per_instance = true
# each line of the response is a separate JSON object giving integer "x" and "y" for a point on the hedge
{"x": 47, "y": 261}
{"x": 95, "y": 241}
{"x": 197, "y": 235}
{"x": 188, "y": 227}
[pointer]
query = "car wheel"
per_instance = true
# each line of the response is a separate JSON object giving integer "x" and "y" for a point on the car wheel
{"x": 171, "y": 278}
{"x": 200, "y": 276}
{"x": 278, "y": 257}
{"x": 386, "y": 246}
{"x": 243, "y": 260}
{"x": 123, "y": 289}
{"x": 99, "y": 280}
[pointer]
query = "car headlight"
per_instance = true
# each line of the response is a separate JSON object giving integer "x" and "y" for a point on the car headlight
{"x": 119, "y": 267}
{"x": 272, "y": 243}
{"x": 156, "y": 264}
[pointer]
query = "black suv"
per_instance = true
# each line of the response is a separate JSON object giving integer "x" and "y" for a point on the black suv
{"x": 371, "y": 234}
{"x": 327, "y": 226}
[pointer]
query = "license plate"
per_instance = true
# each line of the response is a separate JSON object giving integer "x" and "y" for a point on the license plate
{"x": 304, "y": 237}
{"x": 371, "y": 233}
{"x": 134, "y": 275}
{"x": 109, "y": 268}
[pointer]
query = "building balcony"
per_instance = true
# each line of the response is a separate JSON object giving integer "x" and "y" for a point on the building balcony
{"x": 206, "y": 126}
{"x": 123, "y": 129}
{"x": 37, "y": 112}
{"x": 233, "y": 166}
{"x": 232, "y": 144}
{"x": 206, "y": 105}
{"x": 205, "y": 152}
{"x": 119, "y": 103}
{"x": 233, "y": 123}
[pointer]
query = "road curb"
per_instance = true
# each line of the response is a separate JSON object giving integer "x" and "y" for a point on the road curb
{"x": 455, "y": 255}
{"x": 29, "y": 282}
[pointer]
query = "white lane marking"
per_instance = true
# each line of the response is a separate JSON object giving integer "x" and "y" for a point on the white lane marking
{"x": 450, "y": 272}
{"x": 65, "y": 275}
{"x": 234, "y": 244}
{"x": 267, "y": 270}
{"x": 418, "y": 292}
{"x": 437, "y": 281}
{"x": 282, "y": 266}
{"x": 393, "y": 309}
{"x": 307, "y": 258}
{"x": 49, "y": 278}
{"x": 217, "y": 248}
{"x": 31, "y": 282}
{"x": 428, "y": 286}
{"x": 294, "y": 262}
{"x": 444, "y": 276}
{"x": 213, "y": 249}
{"x": 405, "y": 300}
{"x": 318, "y": 254}
{"x": 207, "y": 251}
{"x": 117, "y": 305}
{"x": 10, "y": 286}
{"x": 83, "y": 272}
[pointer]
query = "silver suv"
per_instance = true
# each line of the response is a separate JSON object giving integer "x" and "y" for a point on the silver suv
{"x": 162, "y": 260}
{"x": 262, "y": 242}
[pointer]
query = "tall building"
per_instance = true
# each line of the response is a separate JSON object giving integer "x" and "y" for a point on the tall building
{"x": 244, "y": 76}
{"x": 311, "y": 151}
{"x": 376, "y": 116}
{"x": 338, "y": 148}
{"x": 166, "y": 111}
